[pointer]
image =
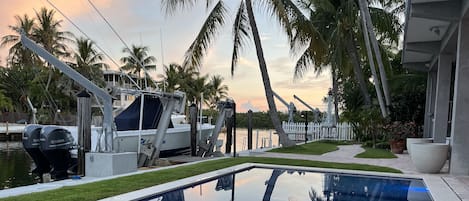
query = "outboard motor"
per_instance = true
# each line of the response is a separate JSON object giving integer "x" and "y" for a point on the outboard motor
{"x": 31, "y": 143}
{"x": 56, "y": 143}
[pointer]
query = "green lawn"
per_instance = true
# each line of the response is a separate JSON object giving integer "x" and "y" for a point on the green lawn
{"x": 312, "y": 148}
{"x": 375, "y": 153}
{"x": 103, "y": 189}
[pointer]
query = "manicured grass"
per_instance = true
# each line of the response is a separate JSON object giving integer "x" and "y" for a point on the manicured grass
{"x": 375, "y": 153}
{"x": 103, "y": 189}
{"x": 312, "y": 148}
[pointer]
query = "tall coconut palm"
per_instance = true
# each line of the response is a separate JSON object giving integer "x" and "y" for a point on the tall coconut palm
{"x": 48, "y": 33}
{"x": 244, "y": 22}
{"x": 19, "y": 55}
{"x": 136, "y": 57}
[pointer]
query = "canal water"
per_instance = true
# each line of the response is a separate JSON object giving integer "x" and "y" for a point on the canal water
{"x": 16, "y": 165}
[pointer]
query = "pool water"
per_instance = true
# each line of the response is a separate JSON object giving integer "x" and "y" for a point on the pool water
{"x": 294, "y": 185}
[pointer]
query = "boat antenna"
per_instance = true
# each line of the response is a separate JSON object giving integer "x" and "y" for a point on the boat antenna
{"x": 162, "y": 56}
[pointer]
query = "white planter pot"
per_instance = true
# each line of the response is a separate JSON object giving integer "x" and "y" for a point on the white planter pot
{"x": 429, "y": 157}
{"x": 411, "y": 141}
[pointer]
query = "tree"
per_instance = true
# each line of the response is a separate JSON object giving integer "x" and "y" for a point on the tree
{"x": 5, "y": 102}
{"x": 19, "y": 55}
{"x": 338, "y": 26}
{"x": 15, "y": 83}
{"x": 243, "y": 23}
{"x": 171, "y": 77}
{"x": 88, "y": 62}
{"x": 48, "y": 34}
{"x": 137, "y": 58}
{"x": 217, "y": 90}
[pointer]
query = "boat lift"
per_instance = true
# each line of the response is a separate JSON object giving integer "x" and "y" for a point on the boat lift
{"x": 174, "y": 101}
{"x": 291, "y": 107}
{"x": 315, "y": 111}
{"x": 225, "y": 110}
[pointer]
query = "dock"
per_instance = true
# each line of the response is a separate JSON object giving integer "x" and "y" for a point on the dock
{"x": 11, "y": 131}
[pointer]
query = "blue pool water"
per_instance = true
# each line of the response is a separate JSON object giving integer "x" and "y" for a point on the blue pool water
{"x": 294, "y": 185}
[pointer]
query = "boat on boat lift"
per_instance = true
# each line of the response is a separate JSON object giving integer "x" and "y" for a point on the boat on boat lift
{"x": 148, "y": 120}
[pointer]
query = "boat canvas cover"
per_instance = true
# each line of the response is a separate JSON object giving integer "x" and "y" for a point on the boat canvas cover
{"x": 130, "y": 117}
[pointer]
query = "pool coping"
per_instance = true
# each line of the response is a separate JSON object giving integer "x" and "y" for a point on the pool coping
{"x": 438, "y": 188}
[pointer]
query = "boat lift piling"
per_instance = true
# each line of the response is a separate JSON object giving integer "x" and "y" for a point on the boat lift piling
{"x": 84, "y": 129}
{"x": 193, "y": 119}
{"x": 249, "y": 129}
{"x": 229, "y": 134}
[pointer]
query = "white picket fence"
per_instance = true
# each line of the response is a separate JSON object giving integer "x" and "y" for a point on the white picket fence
{"x": 296, "y": 131}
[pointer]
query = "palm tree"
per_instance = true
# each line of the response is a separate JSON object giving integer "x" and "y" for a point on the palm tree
{"x": 171, "y": 77}
{"x": 196, "y": 87}
{"x": 244, "y": 22}
{"x": 137, "y": 59}
{"x": 19, "y": 55}
{"x": 217, "y": 90}
{"x": 88, "y": 62}
{"x": 338, "y": 24}
{"x": 48, "y": 34}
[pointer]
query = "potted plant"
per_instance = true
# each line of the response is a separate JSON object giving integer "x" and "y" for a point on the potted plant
{"x": 397, "y": 134}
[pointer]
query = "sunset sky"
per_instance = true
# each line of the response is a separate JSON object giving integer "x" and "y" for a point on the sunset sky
{"x": 144, "y": 22}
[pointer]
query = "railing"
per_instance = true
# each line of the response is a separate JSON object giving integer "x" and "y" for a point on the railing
{"x": 296, "y": 131}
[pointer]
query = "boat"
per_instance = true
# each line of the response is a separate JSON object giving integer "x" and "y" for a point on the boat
{"x": 54, "y": 148}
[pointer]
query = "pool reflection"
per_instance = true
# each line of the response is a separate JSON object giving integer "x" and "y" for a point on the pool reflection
{"x": 280, "y": 185}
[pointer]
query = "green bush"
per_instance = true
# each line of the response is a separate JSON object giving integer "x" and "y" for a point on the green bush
{"x": 383, "y": 145}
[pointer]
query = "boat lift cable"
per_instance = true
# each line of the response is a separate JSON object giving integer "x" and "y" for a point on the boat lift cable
{"x": 99, "y": 47}
{"x": 122, "y": 40}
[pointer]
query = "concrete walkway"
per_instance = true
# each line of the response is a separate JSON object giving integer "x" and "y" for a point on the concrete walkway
{"x": 346, "y": 154}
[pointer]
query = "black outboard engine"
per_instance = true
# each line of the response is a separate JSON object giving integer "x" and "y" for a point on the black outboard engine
{"x": 31, "y": 143}
{"x": 56, "y": 143}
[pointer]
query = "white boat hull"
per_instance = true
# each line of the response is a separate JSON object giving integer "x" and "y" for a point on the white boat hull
{"x": 175, "y": 138}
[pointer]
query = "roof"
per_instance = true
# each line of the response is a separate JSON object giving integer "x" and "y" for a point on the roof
{"x": 430, "y": 29}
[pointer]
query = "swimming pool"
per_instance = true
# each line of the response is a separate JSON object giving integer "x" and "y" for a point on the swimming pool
{"x": 275, "y": 183}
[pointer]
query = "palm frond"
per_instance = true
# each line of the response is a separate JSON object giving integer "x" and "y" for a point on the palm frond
{"x": 240, "y": 33}
{"x": 215, "y": 20}
{"x": 386, "y": 24}
{"x": 172, "y": 6}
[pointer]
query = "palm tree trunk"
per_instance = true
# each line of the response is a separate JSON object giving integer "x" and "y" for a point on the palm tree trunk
{"x": 334, "y": 93}
{"x": 374, "y": 42}
{"x": 265, "y": 78}
{"x": 353, "y": 54}
{"x": 377, "y": 83}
